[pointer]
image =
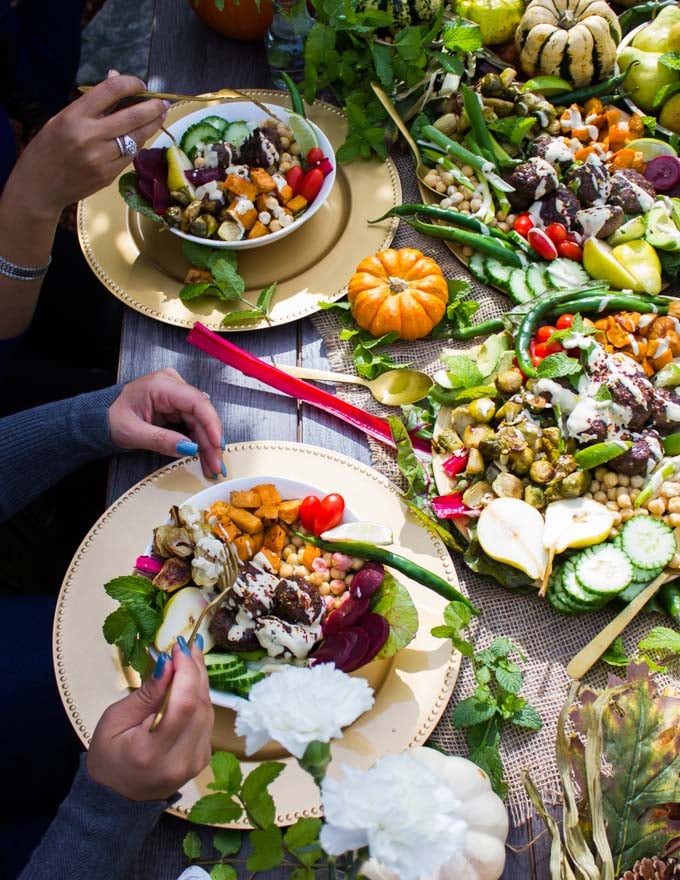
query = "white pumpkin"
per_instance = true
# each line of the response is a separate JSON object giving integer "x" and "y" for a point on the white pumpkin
{"x": 483, "y": 854}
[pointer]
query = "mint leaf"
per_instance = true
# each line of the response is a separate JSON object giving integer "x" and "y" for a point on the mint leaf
{"x": 462, "y": 371}
{"x": 508, "y": 676}
{"x": 462, "y": 36}
{"x": 557, "y": 365}
{"x": 192, "y": 845}
{"x": 229, "y": 282}
{"x": 513, "y": 129}
{"x": 473, "y": 710}
{"x": 615, "y": 655}
{"x": 227, "y": 841}
{"x": 488, "y": 758}
{"x": 242, "y": 316}
{"x": 661, "y": 638}
{"x": 264, "y": 300}
{"x": 227, "y": 772}
{"x": 303, "y": 874}
{"x": 670, "y": 59}
{"x": 223, "y": 872}
{"x": 394, "y": 603}
{"x": 120, "y": 629}
{"x": 665, "y": 93}
{"x": 131, "y": 589}
{"x": 457, "y": 615}
{"x": 215, "y": 809}
{"x": 649, "y": 123}
{"x": 603, "y": 394}
{"x": 199, "y": 255}
{"x": 257, "y": 800}
{"x": 267, "y": 849}
{"x": 527, "y": 717}
{"x": 303, "y": 833}
{"x": 127, "y": 187}
{"x": 191, "y": 292}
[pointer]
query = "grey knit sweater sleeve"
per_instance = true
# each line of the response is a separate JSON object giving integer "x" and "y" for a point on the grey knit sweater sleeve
{"x": 95, "y": 835}
{"x": 44, "y": 444}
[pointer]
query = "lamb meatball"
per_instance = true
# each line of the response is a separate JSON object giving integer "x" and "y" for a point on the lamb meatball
{"x": 590, "y": 182}
{"x": 229, "y": 635}
{"x": 553, "y": 150}
{"x": 645, "y": 453}
{"x": 297, "y": 601}
{"x": 600, "y": 221}
{"x": 560, "y": 206}
{"x": 631, "y": 191}
{"x": 532, "y": 180}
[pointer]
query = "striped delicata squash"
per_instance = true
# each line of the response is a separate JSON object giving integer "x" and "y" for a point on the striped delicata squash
{"x": 573, "y": 39}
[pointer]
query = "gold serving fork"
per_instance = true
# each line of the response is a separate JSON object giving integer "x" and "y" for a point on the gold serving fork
{"x": 227, "y": 577}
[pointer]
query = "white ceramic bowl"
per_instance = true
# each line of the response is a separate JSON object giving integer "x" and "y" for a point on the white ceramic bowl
{"x": 288, "y": 489}
{"x": 626, "y": 41}
{"x": 244, "y": 110}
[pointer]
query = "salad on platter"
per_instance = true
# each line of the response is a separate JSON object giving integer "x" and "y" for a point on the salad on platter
{"x": 301, "y": 595}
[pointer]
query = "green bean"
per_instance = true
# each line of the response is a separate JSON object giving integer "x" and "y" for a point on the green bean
{"x": 603, "y": 88}
{"x": 392, "y": 560}
{"x": 493, "y": 325}
{"x": 296, "y": 102}
{"x": 455, "y": 218}
{"x": 490, "y": 246}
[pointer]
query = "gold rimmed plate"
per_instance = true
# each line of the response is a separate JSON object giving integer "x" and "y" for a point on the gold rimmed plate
{"x": 144, "y": 266}
{"x": 412, "y": 688}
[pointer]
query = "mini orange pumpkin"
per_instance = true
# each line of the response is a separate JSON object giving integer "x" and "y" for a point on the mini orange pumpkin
{"x": 400, "y": 291}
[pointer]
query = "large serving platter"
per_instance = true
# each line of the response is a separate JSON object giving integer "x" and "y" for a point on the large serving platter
{"x": 144, "y": 266}
{"x": 412, "y": 688}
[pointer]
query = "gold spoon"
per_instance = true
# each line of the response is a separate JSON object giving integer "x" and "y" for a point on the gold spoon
{"x": 207, "y": 96}
{"x": 421, "y": 167}
{"x": 227, "y": 577}
{"x": 596, "y": 647}
{"x": 393, "y": 388}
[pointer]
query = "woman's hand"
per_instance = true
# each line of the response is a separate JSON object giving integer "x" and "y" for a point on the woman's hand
{"x": 138, "y": 415}
{"x": 75, "y": 153}
{"x": 143, "y": 766}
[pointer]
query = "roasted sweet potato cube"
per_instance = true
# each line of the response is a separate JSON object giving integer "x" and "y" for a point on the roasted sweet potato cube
{"x": 258, "y": 230}
{"x": 285, "y": 193}
{"x": 248, "y": 545}
{"x": 268, "y": 493}
{"x": 225, "y": 529}
{"x": 241, "y": 187}
{"x": 268, "y": 512}
{"x": 289, "y": 510}
{"x": 273, "y": 558}
{"x": 247, "y": 498}
{"x": 296, "y": 204}
{"x": 275, "y": 538}
{"x": 262, "y": 180}
{"x": 245, "y": 520}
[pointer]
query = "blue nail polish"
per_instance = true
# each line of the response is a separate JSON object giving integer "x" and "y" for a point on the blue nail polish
{"x": 199, "y": 641}
{"x": 213, "y": 476}
{"x": 223, "y": 442}
{"x": 224, "y": 469}
{"x": 160, "y": 666}
{"x": 184, "y": 648}
{"x": 186, "y": 447}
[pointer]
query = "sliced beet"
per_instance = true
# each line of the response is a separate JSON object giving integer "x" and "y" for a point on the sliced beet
{"x": 201, "y": 176}
{"x": 367, "y": 580}
{"x": 347, "y": 614}
{"x": 359, "y": 650}
{"x": 335, "y": 649}
{"x": 663, "y": 173}
{"x": 145, "y": 187}
{"x": 161, "y": 197}
{"x": 378, "y": 630}
{"x": 151, "y": 164}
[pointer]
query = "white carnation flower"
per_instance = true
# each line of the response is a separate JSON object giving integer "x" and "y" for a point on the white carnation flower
{"x": 400, "y": 810}
{"x": 300, "y": 705}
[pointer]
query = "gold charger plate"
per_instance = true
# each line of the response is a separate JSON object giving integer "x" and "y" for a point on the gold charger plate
{"x": 412, "y": 688}
{"x": 144, "y": 266}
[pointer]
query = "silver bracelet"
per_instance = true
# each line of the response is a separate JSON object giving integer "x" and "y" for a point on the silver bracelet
{"x": 22, "y": 273}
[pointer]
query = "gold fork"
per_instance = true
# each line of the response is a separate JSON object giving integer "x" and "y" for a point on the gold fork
{"x": 227, "y": 577}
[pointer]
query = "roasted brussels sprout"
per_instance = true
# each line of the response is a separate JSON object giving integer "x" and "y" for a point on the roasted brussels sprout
{"x": 172, "y": 541}
{"x": 175, "y": 573}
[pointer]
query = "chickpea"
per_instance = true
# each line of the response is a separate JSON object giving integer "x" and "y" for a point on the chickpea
{"x": 341, "y": 561}
{"x": 301, "y": 571}
{"x": 595, "y": 486}
{"x": 456, "y": 198}
{"x": 600, "y": 472}
{"x": 674, "y": 505}
{"x": 475, "y": 204}
{"x": 293, "y": 559}
{"x": 623, "y": 499}
{"x": 624, "y": 480}
{"x": 612, "y": 494}
{"x": 637, "y": 481}
{"x": 610, "y": 480}
{"x": 337, "y": 587}
{"x": 324, "y": 589}
{"x": 467, "y": 170}
{"x": 674, "y": 520}
{"x": 657, "y": 506}
{"x": 600, "y": 496}
{"x": 285, "y": 570}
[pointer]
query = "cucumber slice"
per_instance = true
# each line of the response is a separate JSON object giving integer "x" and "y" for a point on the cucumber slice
{"x": 649, "y": 543}
{"x": 476, "y": 267}
{"x": 575, "y": 595}
{"x": 241, "y": 684}
{"x": 556, "y": 594}
{"x": 218, "y": 123}
{"x": 603, "y": 570}
{"x": 498, "y": 273}
{"x": 519, "y": 290}
{"x": 564, "y": 274}
{"x": 537, "y": 278}
{"x": 220, "y": 662}
{"x": 197, "y": 136}
{"x": 237, "y": 133}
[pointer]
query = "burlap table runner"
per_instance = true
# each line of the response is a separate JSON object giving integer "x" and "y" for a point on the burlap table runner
{"x": 547, "y": 639}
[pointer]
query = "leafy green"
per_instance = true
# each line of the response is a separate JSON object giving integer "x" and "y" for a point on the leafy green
{"x": 670, "y": 263}
{"x": 665, "y": 92}
{"x": 554, "y": 366}
{"x": 267, "y": 849}
{"x": 462, "y": 371}
{"x": 670, "y": 59}
{"x": 459, "y": 311}
{"x": 127, "y": 187}
{"x": 410, "y": 466}
{"x": 227, "y": 772}
{"x": 513, "y": 128}
{"x": 394, "y": 603}
{"x": 603, "y": 394}
{"x": 214, "y": 808}
{"x": 369, "y": 359}
{"x": 192, "y": 845}
{"x": 133, "y": 625}
{"x": 223, "y": 872}
{"x": 661, "y": 638}
{"x": 615, "y": 655}
{"x": 227, "y": 841}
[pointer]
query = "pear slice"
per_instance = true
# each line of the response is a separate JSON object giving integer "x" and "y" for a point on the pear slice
{"x": 179, "y": 617}
{"x": 576, "y": 522}
{"x": 178, "y": 163}
{"x": 511, "y": 531}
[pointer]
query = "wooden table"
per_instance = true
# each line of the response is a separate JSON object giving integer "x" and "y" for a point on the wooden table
{"x": 187, "y": 57}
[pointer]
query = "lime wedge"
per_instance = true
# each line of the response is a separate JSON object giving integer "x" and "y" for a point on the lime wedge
{"x": 366, "y": 532}
{"x": 303, "y": 133}
{"x": 651, "y": 148}
{"x": 547, "y": 85}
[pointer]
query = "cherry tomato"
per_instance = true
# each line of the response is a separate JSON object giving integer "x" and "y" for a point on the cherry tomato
{"x": 543, "y": 349}
{"x": 314, "y": 155}
{"x": 556, "y": 232}
{"x": 536, "y": 360}
{"x": 540, "y": 242}
{"x": 523, "y": 223}
{"x": 570, "y": 250}
{"x": 294, "y": 177}
{"x": 564, "y": 322}
{"x": 311, "y": 184}
{"x": 309, "y": 509}
{"x": 329, "y": 514}
{"x": 544, "y": 333}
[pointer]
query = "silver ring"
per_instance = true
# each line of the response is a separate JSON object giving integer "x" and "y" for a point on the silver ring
{"x": 127, "y": 145}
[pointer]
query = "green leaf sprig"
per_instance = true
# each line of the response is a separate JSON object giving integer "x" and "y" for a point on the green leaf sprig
{"x": 226, "y": 284}
{"x": 133, "y": 625}
{"x": 496, "y": 699}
